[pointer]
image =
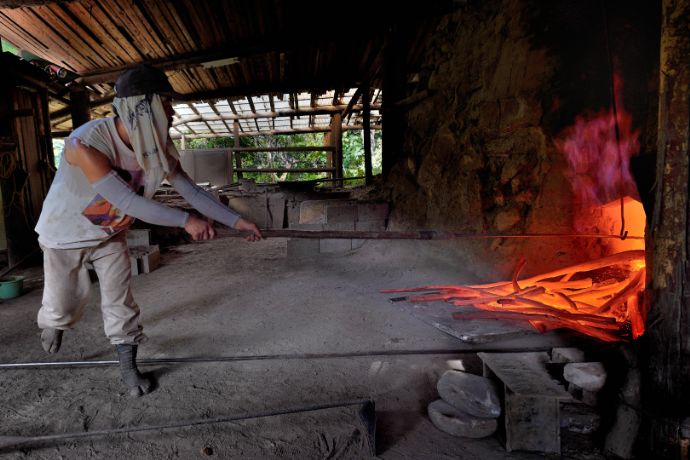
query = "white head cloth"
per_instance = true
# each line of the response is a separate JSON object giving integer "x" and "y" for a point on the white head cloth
{"x": 146, "y": 123}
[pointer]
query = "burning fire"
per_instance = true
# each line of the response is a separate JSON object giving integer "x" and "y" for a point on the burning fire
{"x": 600, "y": 298}
{"x": 597, "y": 298}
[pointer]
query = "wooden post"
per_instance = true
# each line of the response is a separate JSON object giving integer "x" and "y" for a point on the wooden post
{"x": 183, "y": 142}
{"x": 666, "y": 358}
{"x": 337, "y": 143}
{"x": 393, "y": 91}
{"x": 366, "y": 122}
{"x": 79, "y": 105}
{"x": 327, "y": 142}
{"x": 236, "y": 154}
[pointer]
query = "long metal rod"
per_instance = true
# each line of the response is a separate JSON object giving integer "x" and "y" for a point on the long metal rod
{"x": 294, "y": 356}
{"x": 412, "y": 235}
{"x": 18, "y": 441}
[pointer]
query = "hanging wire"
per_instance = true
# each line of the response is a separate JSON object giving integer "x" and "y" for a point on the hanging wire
{"x": 612, "y": 91}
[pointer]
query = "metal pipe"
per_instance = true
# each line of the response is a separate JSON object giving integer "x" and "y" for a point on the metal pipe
{"x": 411, "y": 235}
{"x": 7, "y": 442}
{"x": 296, "y": 356}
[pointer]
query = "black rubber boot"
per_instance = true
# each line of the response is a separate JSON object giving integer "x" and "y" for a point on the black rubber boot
{"x": 51, "y": 339}
{"x": 138, "y": 384}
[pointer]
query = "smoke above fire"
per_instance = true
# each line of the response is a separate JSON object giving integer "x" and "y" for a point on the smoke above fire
{"x": 598, "y": 157}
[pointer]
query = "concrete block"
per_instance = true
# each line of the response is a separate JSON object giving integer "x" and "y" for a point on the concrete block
{"x": 144, "y": 259}
{"x": 337, "y": 214}
{"x": 356, "y": 244}
{"x": 302, "y": 247}
{"x": 372, "y": 211}
{"x": 133, "y": 265}
{"x": 138, "y": 237}
{"x": 370, "y": 226}
{"x": 310, "y": 227}
{"x": 335, "y": 245}
{"x": 253, "y": 208}
{"x": 292, "y": 212}
{"x": 151, "y": 259}
{"x": 567, "y": 355}
{"x": 339, "y": 226}
{"x": 276, "y": 210}
{"x": 312, "y": 212}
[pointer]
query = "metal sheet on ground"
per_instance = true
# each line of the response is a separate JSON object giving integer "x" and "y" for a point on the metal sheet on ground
{"x": 439, "y": 315}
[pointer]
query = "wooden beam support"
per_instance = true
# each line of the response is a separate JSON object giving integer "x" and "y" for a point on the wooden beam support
{"x": 353, "y": 101}
{"x": 666, "y": 375}
{"x": 235, "y": 155}
{"x": 79, "y": 105}
{"x": 366, "y": 132}
{"x": 337, "y": 143}
{"x": 393, "y": 90}
{"x": 60, "y": 114}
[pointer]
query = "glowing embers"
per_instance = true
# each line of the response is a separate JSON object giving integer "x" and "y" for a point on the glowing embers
{"x": 598, "y": 298}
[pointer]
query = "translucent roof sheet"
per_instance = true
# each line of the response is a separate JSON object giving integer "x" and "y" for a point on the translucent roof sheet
{"x": 273, "y": 114}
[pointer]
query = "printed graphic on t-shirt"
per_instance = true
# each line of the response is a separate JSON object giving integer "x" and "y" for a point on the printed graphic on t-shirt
{"x": 102, "y": 213}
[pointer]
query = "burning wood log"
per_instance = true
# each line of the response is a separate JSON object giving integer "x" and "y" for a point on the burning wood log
{"x": 598, "y": 298}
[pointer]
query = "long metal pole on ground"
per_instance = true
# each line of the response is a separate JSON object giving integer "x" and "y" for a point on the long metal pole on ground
{"x": 282, "y": 357}
{"x": 7, "y": 442}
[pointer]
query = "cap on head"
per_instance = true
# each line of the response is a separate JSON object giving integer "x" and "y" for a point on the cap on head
{"x": 143, "y": 79}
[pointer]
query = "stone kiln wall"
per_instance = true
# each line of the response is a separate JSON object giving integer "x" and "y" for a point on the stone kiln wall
{"x": 478, "y": 153}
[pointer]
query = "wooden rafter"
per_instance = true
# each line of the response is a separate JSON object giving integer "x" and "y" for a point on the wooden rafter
{"x": 215, "y": 110}
{"x": 316, "y": 129}
{"x": 251, "y": 106}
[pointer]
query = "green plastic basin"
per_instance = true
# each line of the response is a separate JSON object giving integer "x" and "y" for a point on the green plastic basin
{"x": 11, "y": 287}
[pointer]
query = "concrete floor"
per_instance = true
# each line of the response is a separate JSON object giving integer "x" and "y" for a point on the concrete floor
{"x": 233, "y": 298}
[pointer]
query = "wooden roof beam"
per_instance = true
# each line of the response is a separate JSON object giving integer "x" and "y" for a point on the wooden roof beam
{"x": 316, "y": 129}
{"x": 251, "y": 106}
{"x": 323, "y": 110}
{"x": 215, "y": 110}
{"x": 351, "y": 104}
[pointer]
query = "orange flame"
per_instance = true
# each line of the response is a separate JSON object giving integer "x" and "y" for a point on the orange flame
{"x": 600, "y": 298}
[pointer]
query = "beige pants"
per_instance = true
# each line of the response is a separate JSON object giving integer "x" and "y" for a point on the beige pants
{"x": 67, "y": 289}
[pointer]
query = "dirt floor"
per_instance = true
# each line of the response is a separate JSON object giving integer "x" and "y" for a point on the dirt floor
{"x": 230, "y": 298}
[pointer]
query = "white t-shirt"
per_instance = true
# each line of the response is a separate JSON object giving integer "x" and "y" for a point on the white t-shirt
{"x": 74, "y": 215}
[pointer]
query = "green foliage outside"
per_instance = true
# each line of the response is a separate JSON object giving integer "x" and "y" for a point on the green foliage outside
{"x": 353, "y": 155}
{"x": 58, "y": 146}
{"x": 7, "y": 46}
